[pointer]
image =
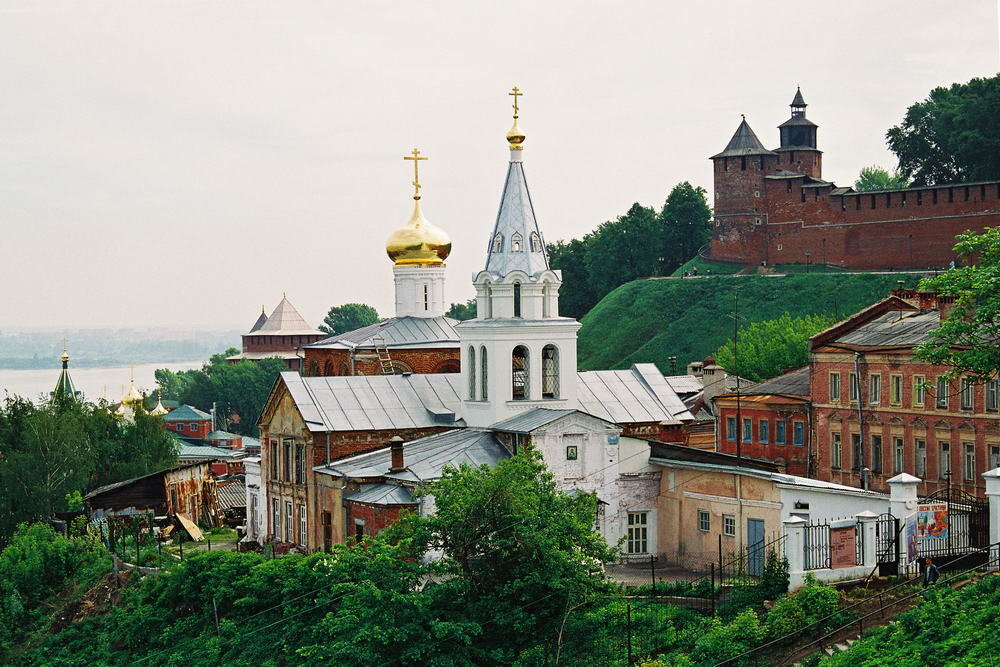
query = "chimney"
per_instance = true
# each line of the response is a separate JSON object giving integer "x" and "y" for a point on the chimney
{"x": 694, "y": 368}
{"x": 396, "y": 454}
{"x": 945, "y": 304}
{"x": 926, "y": 300}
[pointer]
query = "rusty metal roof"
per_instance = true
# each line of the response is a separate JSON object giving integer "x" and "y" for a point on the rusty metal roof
{"x": 895, "y": 328}
{"x": 793, "y": 383}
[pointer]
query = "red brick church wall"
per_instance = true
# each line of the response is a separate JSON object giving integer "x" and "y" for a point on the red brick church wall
{"x": 320, "y": 361}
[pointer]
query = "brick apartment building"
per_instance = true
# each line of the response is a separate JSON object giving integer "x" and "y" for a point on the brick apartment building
{"x": 773, "y": 207}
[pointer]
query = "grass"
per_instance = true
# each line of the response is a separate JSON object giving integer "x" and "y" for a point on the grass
{"x": 705, "y": 267}
{"x": 651, "y": 320}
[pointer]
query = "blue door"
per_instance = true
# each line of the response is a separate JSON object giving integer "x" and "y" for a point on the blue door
{"x": 755, "y": 547}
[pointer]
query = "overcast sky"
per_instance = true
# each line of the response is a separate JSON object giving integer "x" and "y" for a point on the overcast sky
{"x": 183, "y": 163}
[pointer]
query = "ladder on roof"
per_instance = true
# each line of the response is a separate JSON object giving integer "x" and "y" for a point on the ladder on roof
{"x": 384, "y": 360}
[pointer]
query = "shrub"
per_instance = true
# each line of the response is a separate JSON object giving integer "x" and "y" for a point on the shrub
{"x": 728, "y": 640}
{"x": 802, "y": 609}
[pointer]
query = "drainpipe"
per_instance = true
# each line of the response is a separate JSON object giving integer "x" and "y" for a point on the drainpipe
{"x": 809, "y": 443}
{"x": 861, "y": 421}
{"x": 328, "y": 448}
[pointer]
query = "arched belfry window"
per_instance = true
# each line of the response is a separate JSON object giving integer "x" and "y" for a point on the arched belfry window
{"x": 536, "y": 242}
{"x": 497, "y": 243}
{"x": 472, "y": 373}
{"x": 517, "y": 299}
{"x": 519, "y": 373}
{"x": 550, "y": 371}
{"x": 546, "y": 299}
{"x": 515, "y": 243}
{"x": 489, "y": 302}
{"x": 483, "y": 393}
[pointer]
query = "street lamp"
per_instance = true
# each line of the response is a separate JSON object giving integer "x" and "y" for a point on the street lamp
{"x": 808, "y": 255}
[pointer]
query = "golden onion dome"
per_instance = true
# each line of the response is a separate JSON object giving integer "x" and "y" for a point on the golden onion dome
{"x": 418, "y": 242}
{"x": 515, "y": 137}
{"x": 64, "y": 357}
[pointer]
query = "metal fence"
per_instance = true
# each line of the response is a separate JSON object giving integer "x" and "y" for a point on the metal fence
{"x": 817, "y": 546}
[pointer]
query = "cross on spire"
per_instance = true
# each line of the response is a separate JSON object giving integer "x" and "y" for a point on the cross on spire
{"x": 416, "y": 158}
{"x": 515, "y": 93}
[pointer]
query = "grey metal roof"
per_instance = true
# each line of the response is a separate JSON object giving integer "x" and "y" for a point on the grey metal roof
{"x": 261, "y": 321}
{"x": 376, "y": 402}
{"x": 286, "y": 321}
{"x": 639, "y": 394}
{"x": 190, "y": 451}
{"x": 798, "y": 100}
{"x": 684, "y": 384}
{"x": 233, "y": 494}
{"x": 792, "y": 383}
{"x": 530, "y": 420}
{"x": 516, "y": 217}
{"x": 382, "y": 494}
{"x": 797, "y": 120}
{"x": 425, "y": 458}
{"x": 397, "y": 332}
{"x": 895, "y": 327}
{"x": 744, "y": 142}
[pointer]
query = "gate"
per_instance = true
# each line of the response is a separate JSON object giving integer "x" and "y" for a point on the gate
{"x": 968, "y": 526}
{"x": 887, "y": 544}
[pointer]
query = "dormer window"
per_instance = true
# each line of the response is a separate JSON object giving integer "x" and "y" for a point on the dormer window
{"x": 515, "y": 243}
{"x": 536, "y": 242}
{"x": 497, "y": 243}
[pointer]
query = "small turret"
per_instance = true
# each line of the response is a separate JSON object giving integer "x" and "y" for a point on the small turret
{"x": 798, "y": 141}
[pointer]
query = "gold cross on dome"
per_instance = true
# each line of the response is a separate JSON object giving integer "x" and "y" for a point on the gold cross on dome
{"x": 515, "y": 93}
{"x": 415, "y": 156}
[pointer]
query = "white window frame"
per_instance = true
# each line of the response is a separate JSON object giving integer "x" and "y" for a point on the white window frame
{"x": 941, "y": 399}
{"x": 637, "y": 533}
{"x": 303, "y": 526}
{"x": 897, "y": 454}
{"x": 836, "y": 450}
{"x": 968, "y": 462}
{"x": 919, "y": 390}
{"x": 920, "y": 462}
{"x": 275, "y": 518}
{"x": 704, "y": 520}
{"x": 729, "y": 525}
{"x": 835, "y": 386}
{"x": 968, "y": 394}
{"x": 992, "y": 395}
{"x": 944, "y": 459}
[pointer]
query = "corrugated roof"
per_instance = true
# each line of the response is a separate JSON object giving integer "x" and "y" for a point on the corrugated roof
{"x": 191, "y": 451}
{"x": 793, "y": 383}
{"x": 233, "y": 494}
{"x": 425, "y": 458}
{"x": 382, "y": 494}
{"x": 893, "y": 328}
{"x": 186, "y": 413}
{"x": 639, "y": 394}
{"x": 397, "y": 332}
{"x": 286, "y": 321}
{"x": 530, "y": 420}
{"x": 684, "y": 384}
{"x": 744, "y": 142}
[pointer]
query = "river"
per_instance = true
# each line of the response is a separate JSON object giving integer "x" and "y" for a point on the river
{"x": 95, "y": 383}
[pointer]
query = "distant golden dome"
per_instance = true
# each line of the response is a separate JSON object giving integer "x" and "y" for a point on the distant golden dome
{"x": 418, "y": 242}
{"x": 64, "y": 357}
{"x": 515, "y": 136}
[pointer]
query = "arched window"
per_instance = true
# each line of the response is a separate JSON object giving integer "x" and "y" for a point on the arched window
{"x": 328, "y": 368}
{"x": 536, "y": 242}
{"x": 515, "y": 243}
{"x": 489, "y": 302}
{"x": 400, "y": 367}
{"x": 483, "y": 393}
{"x": 519, "y": 373}
{"x": 517, "y": 299}
{"x": 472, "y": 373}
{"x": 497, "y": 243}
{"x": 546, "y": 298}
{"x": 550, "y": 371}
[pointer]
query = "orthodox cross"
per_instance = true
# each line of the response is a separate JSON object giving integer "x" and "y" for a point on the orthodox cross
{"x": 515, "y": 94}
{"x": 415, "y": 157}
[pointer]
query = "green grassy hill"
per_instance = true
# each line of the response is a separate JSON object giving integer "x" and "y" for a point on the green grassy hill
{"x": 651, "y": 320}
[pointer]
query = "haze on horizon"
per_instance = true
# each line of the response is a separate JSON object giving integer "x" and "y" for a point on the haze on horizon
{"x": 182, "y": 163}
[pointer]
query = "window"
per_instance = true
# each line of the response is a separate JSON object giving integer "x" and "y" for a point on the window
{"x": 992, "y": 390}
{"x": 519, "y": 373}
{"x": 288, "y": 521}
{"x": 897, "y": 457}
{"x": 193, "y": 427}
{"x": 179, "y": 427}
{"x": 836, "y": 456}
{"x": 854, "y": 388}
{"x": 426, "y": 298}
{"x": 637, "y": 536}
{"x": 536, "y": 242}
{"x": 994, "y": 457}
{"x": 572, "y": 452}
{"x": 497, "y": 243}
{"x": 942, "y": 394}
{"x": 728, "y": 525}
{"x": 921, "y": 462}
{"x": 483, "y": 393}
{"x": 730, "y": 428}
{"x": 472, "y": 373}
{"x": 969, "y": 467}
{"x": 856, "y": 453}
{"x": 944, "y": 460}
{"x": 895, "y": 389}
{"x": 273, "y": 456}
{"x": 300, "y": 464}
{"x": 798, "y": 433}
{"x": 747, "y": 430}
{"x": 303, "y": 536}
{"x": 779, "y": 432}
{"x": 550, "y": 372}
{"x": 359, "y": 530}
{"x": 286, "y": 469}
{"x": 877, "y": 454}
{"x": 834, "y": 387}
{"x": 919, "y": 390}
{"x": 763, "y": 426}
{"x": 517, "y": 299}
{"x": 515, "y": 243}
{"x": 874, "y": 389}
{"x": 254, "y": 509}
{"x": 275, "y": 518}
{"x": 968, "y": 392}
{"x": 704, "y": 520}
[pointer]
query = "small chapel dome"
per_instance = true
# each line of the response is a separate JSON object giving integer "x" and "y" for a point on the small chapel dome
{"x": 418, "y": 242}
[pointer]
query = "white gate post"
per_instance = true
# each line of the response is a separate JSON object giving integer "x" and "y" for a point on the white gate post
{"x": 794, "y": 529}
{"x": 867, "y": 537}
{"x": 993, "y": 494}
{"x": 902, "y": 503}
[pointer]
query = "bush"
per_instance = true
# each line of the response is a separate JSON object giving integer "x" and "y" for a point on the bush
{"x": 728, "y": 640}
{"x": 800, "y": 610}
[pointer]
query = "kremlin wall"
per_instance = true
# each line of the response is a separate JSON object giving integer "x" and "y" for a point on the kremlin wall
{"x": 773, "y": 207}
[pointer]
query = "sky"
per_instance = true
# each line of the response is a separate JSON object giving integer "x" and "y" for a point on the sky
{"x": 183, "y": 163}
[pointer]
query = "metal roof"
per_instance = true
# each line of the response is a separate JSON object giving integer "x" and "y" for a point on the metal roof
{"x": 893, "y": 328}
{"x": 186, "y": 413}
{"x": 233, "y": 494}
{"x": 291, "y": 354}
{"x": 793, "y": 383}
{"x": 382, "y": 494}
{"x": 516, "y": 217}
{"x": 261, "y": 321}
{"x": 125, "y": 482}
{"x": 530, "y": 420}
{"x": 190, "y": 451}
{"x": 286, "y": 321}
{"x": 425, "y": 458}
{"x": 798, "y": 100}
{"x": 744, "y": 142}
{"x": 684, "y": 384}
{"x": 397, "y": 332}
{"x": 639, "y": 394}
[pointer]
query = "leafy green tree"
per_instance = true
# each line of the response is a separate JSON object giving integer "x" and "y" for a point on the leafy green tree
{"x": 624, "y": 249}
{"x": 769, "y": 348}
{"x": 576, "y": 296}
{"x": 952, "y": 136}
{"x": 348, "y": 317}
{"x": 877, "y": 178}
{"x": 462, "y": 311}
{"x": 969, "y": 338}
{"x": 687, "y": 225}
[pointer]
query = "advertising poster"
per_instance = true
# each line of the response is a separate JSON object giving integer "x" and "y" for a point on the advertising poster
{"x": 932, "y": 521}
{"x": 911, "y": 537}
{"x": 843, "y": 545}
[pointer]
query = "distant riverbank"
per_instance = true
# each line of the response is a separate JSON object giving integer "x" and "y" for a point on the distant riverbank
{"x": 95, "y": 383}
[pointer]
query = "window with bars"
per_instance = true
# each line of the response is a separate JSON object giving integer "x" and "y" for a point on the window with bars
{"x": 550, "y": 372}
{"x": 836, "y": 455}
{"x": 638, "y": 525}
{"x": 704, "y": 520}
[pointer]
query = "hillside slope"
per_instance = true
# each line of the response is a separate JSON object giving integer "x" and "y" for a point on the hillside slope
{"x": 651, "y": 320}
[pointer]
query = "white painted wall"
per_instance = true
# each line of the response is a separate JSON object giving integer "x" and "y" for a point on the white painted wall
{"x": 411, "y": 282}
{"x": 254, "y": 487}
{"x": 827, "y": 504}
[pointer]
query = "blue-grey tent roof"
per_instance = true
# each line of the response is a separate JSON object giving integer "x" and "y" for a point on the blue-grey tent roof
{"x": 530, "y": 420}
{"x": 397, "y": 332}
{"x": 261, "y": 321}
{"x": 382, "y": 494}
{"x": 425, "y": 458}
{"x": 744, "y": 142}
{"x": 516, "y": 217}
{"x": 186, "y": 413}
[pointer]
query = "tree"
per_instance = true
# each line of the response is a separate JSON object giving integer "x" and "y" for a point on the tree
{"x": 462, "y": 311}
{"x": 952, "y": 136}
{"x": 877, "y": 178}
{"x": 969, "y": 337}
{"x": 687, "y": 225}
{"x": 624, "y": 249}
{"x": 348, "y": 317}
{"x": 576, "y": 296}
{"x": 769, "y": 348}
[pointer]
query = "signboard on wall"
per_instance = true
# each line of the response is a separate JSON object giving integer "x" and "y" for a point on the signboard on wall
{"x": 932, "y": 521}
{"x": 843, "y": 546}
